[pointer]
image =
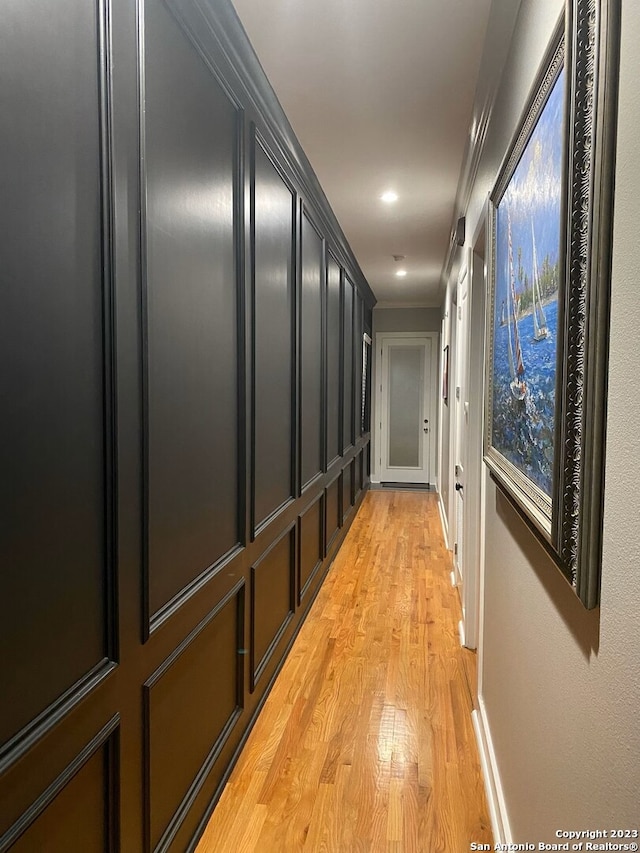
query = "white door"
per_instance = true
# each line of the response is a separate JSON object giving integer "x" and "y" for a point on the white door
{"x": 461, "y": 429}
{"x": 406, "y": 429}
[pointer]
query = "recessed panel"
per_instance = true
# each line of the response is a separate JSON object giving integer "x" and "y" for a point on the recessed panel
{"x": 78, "y": 816}
{"x": 358, "y": 316}
{"x": 334, "y": 372}
{"x": 54, "y": 340}
{"x": 359, "y": 481}
{"x": 272, "y": 236}
{"x": 311, "y": 545}
{"x": 192, "y": 701}
{"x": 347, "y": 378}
{"x": 191, "y": 311}
{"x": 272, "y": 600}
{"x": 311, "y": 352}
{"x": 347, "y": 489}
{"x": 333, "y": 514}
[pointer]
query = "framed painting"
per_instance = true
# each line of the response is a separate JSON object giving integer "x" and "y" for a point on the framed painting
{"x": 550, "y": 215}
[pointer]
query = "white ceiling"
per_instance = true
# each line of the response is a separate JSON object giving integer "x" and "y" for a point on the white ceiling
{"x": 380, "y": 95}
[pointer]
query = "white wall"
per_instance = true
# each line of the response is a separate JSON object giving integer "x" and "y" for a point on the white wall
{"x": 406, "y": 320}
{"x": 561, "y": 686}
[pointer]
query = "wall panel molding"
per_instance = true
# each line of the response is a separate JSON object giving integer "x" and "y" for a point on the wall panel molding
{"x": 272, "y": 600}
{"x": 311, "y": 344}
{"x": 193, "y": 410}
{"x": 41, "y": 725}
{"x": 348, "y": 489}
{"x": 231, "y": 39}
{"x": 184, "y": 457}
{"x": 273, "y": 227}
{"x": 348, "y": 365}
{"x": 106, "y": 738}
{"x": 190, "y": 697}
{"x": 59, "y": 443}
{"x": 333, "y": 511}
{"x": 311, "y": 523}
{"x": 334, "y": 359}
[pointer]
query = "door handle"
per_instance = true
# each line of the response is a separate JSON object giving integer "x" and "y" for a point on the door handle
{"x": 459, "y": 487}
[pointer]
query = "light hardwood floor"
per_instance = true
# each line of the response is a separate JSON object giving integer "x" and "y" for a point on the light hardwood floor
{"x": 366, "y": 741}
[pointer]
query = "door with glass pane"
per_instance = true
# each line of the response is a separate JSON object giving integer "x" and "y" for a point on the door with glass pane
{"x": 405, "y": 428}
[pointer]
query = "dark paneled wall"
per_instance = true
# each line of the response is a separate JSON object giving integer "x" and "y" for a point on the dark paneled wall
{"x": 334, "y": 351}
{"x": 181, "y": 326}
{"x": 273, "y": 209}
{"x": 312, "y": 295}
{"x": 190, "y": 286}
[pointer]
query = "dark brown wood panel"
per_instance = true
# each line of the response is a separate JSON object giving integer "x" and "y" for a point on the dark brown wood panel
{"x": 334, "y": 364}
{"x": 192, "y": 703}
{"x": 55, "y": 343}
{"x": 311, "y": 349}
{"x": 171, "y": 361}
{"x": 79, "y": 810}
{"x": 347, "y": 489}
{"x": 359, "y": 479}
{"x": 272, "y": 237}
{"x": 358, "y": 332}
{"x": 333, "y": 512}
{"x": 272, "y": 600}
{"x": 193, "y": 425}
{"x": 347, "y": 372}
{"x": 311, "y": 542}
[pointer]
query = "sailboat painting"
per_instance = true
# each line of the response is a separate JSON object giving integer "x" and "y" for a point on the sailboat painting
{"x": 526, "y": 282}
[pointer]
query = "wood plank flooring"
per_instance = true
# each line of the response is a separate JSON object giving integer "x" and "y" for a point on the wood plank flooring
{"x": 366, "y": 741}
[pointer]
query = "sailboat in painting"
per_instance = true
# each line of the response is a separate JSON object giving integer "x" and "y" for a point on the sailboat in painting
{"x": 540, "y": 329}
{"x": 518, "y": 384}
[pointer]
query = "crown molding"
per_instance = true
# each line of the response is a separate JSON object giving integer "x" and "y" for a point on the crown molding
{"x": 231, "y": 38}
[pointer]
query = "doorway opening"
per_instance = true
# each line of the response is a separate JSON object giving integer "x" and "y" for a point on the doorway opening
{"x": 405, "y": 423}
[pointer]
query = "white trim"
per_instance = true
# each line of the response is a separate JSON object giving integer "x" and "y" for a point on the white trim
{"x": 461, "y": 632}
{"x": 453, "y": 369}
{"x": 393, "y": 303}
{"x": 432, "y": 380}
{"x": 443, "y": 522}
{"x": 483, "y": 512}
{"x": 481, "y": 569}
{"x": 493, "y": 786}
{"x": 502, "y": 21}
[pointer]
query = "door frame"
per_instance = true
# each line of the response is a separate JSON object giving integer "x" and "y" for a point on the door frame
{"x": 471, "y": 590}
{"x": 460, "y": 433}
{"x": 476, "y": 473}
{"x": 432, "y": 386}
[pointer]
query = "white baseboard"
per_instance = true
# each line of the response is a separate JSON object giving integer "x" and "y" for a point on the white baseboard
{"x": 443, "y": 522}
{"x": 492, "y": 783}
{"x": 461, "y": 632}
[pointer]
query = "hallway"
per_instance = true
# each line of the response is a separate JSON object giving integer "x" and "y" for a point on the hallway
{"x": 366, "y": 740}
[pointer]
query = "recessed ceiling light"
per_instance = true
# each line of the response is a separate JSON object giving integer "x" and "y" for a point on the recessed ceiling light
{"x": 389, "y": 197}
{"x": 401, "y": 273}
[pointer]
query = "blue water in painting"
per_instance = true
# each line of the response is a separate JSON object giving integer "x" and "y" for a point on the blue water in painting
{"x": 528, "y": 228}
{"x": 523, "y": 430}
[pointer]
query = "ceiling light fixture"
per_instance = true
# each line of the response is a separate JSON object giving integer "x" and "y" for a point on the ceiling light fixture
{"x": 389, "y": 197}
{"x": 400, "y": 271}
